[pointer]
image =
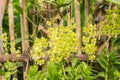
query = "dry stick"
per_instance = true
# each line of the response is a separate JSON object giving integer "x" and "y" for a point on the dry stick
{"x": 11, "y": 28}
{"x": 24, "y": 34}
{"x": 25, "y": 24}
{"x": 44, "y": 31}
{"x": 11, "y": 25}
{"x": 34, "y": 28}
{"x": 86, "y": 10}
{"x": 25, "y": 68}
{"x": 78, "y": 24}
{"x": 2, "y": 9}
{"x": 105, "y": 44}
{"x": 21, "y": 24}
{"x": 40, "y": 27}
{"x": 1, "y": 16}
{"x": 14, "y": 58}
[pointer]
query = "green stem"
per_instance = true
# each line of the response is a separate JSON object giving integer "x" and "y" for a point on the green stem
{"x": 106, "y": 72}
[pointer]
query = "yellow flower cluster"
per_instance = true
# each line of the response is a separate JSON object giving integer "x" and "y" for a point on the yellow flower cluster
{"x": 89, "y": 41}
{"x": 62, "y": 42}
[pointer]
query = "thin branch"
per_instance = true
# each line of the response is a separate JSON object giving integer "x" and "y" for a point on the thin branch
{"x": 44, "y": 31}
{"x": 105, "y": 44}
{"x": 14, "y": 58}
{"x": 11, "y": 25}
{"x": 3, "y": 6}
{"x": 78, "y": 24}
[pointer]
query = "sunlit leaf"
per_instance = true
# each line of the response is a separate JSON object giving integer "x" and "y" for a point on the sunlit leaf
{"x": 114, "y": 1}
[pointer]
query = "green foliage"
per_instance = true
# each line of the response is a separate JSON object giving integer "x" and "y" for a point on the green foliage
{"x": 73, "y": 71}
{"x": 114, "y": 1}
{"x": 62, "y": 42}
{"x": 110, "y": 64}
{"x": 59, "y": 3}
{"x": 78, "y": 71}
{"x": 52, "y": 71}
{"x": 86, "y": 71}
{"x": 89, "y": 41}
{"x": 9, "y": 69}
{"x": 34, "y": 74}
{"x": 18, "y": 8}
{"x": 58, "y": 71}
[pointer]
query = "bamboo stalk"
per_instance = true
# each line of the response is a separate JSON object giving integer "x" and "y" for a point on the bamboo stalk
{"x": 34, "y": 28}
{"x": 34, "y": 34}
{"x": 78, "y": 24}
{"x": 11, "y": 29}
{"x": 86, "y": 10}
{"x": 2, "y": 8}
{"x": 24, "y": 34}
{"x": 2, "y": 3}
{"x": 22, "y": 27}
{"x": 11, "y": 26}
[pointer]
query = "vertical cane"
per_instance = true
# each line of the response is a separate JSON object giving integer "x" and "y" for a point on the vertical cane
{"x": 2, "y": 9}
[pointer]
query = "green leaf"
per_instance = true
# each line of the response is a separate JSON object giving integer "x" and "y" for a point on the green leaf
{"x": 117, "y": 73}
{"x": 68, "y": 69}
{"x": 40, "y": 75}
{"x": 18, "y": 40}
{"x": 32, "y": 71}
{"x": 7, "y": 75}
{"x": 52, "y": 71}
{"x": 78, "y": 68}
{"x": 114, "y": 1}
{"x": 74, "y": 62}
{"x": 101, "y": 74}
{"x": 102, "y": 61}
{"x": 107, "y": 54}
{"x": 2, "y": 72}
{"x": 85, "y": 69}
{"x": 19, "y": 9}
{"x": 117, "y": 63}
